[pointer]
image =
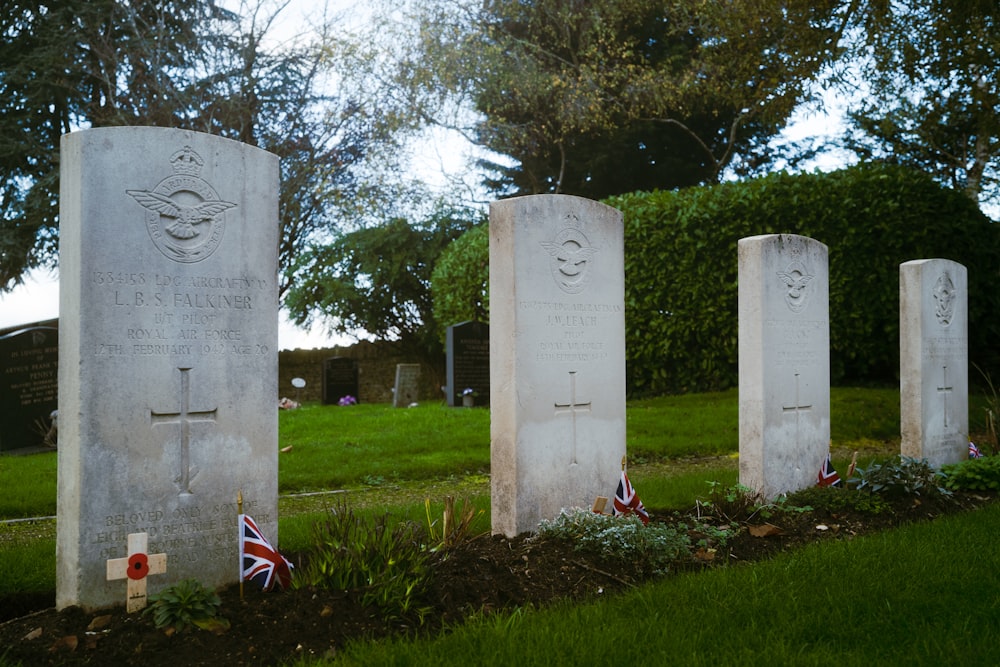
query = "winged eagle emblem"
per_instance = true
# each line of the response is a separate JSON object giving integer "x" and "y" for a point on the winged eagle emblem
{"x": 795, "y": 281}
{"x": 186, "y": 218}
{"x": 571, "y": 259}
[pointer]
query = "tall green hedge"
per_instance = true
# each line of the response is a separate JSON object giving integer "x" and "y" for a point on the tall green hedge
{"x": 681, "y": 269}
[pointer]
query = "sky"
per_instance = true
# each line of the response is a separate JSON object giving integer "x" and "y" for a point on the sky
{"x": 442, "y": 155}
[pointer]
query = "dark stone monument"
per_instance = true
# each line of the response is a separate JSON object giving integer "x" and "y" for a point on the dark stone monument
{"x": 29, "y": 385}
{"x": 340, "y": 379}
{"x": 467, "y": 345}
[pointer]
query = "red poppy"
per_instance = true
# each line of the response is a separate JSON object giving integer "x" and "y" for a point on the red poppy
{"x": 138, "y": 566}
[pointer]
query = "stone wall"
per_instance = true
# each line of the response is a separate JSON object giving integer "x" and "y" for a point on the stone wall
{"x": 376, "y": 372}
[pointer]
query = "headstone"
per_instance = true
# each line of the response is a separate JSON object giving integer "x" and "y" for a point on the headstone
{"x": 467, "y": 366}
{"x": 168, "y": 376}
{"x": 934, "y": 360}
{"x": 557, "y": 356}
{"x": 784, "y": 362}
{"x": 29, "y": 382}
{"x": 340, "y": 379}
{"x": 406, "y": 390}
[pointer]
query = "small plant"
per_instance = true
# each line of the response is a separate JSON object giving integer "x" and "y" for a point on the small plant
{"x": 835, "y": 500}
{"x": 347, "y": 400}
{"x": 904, "y": 476}
{"x": 185, "y": 604}
{"x": 973, "y": 475}
{"x": 455, "y": 529}
{"x": 654, "y": 547}
{"x": 735, "y": 503}
{"x": 386, "y": 564}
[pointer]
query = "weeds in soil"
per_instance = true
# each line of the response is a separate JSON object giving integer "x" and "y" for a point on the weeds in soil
{"x": 902, "y": 476}
{"x": 455, "y": 528}
{"x": 384, "y": 562}
{"x": 836, "y": 499}
{"x": 982, "y": 474}
{"x": 186, "y": 604}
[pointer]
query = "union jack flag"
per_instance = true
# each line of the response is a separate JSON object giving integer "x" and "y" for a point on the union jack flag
{"x": 627, "y": 501}
{"x": 259, "y": 561}
{"x": 974, "y": 452}
{"x": 827, "y": 475}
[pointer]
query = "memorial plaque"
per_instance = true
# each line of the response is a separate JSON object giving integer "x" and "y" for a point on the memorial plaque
{"x": 468, "y": 363}
{"x": 340, "y": 379}
{"x": 29, "y": 383}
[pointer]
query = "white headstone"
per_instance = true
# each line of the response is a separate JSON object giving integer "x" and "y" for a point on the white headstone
{"x": 934, "y": 360}
{"x": 784, "y": 361}
{"x": 557, "y": 356}
{"x": 168, "y": 351}
{"x": 406, "y": 389}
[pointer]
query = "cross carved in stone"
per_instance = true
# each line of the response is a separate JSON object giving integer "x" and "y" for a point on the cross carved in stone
{"x": 572, "y": 408}
{"x": 135, "y": 567}
{"x": 185, "y": 417}
{"x": 798, "y": 407}
{"x": 944, "y": 390}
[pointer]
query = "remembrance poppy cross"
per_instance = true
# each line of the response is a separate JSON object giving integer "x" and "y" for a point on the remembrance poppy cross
{"x": 135, "y": 567}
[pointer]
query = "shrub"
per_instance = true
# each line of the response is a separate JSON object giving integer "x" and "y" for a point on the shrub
{"x": 903, "y": 476}
{"x": 653, "y": 548}
{"x": 385, "y": 563}
{"x": 184, "y": 604}
{"x": 834, "y": 499}
{"x": 981, "y": 474}
{"x": 460, "y": 280}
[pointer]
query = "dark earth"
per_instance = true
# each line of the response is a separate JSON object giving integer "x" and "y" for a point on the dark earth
{"x": 483, "y": 574}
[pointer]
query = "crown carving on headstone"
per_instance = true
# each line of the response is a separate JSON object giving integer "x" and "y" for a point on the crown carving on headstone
{"x": 186, "y": 162}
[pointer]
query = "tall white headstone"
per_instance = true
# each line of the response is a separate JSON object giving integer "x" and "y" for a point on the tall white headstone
{"x": 168, "y": 354}
{"x": 557, "y": 356}
{"x": 934, "y": 360}
{"x": 784, "y": 361}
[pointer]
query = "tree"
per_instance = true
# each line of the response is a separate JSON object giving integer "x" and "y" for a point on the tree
{"x": 376, "y": 281}
{"x": 929, "y": 77}
{"x": 609, "y": 96}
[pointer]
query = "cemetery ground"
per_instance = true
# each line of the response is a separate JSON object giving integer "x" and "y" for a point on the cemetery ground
{"x": 884, "y": 585}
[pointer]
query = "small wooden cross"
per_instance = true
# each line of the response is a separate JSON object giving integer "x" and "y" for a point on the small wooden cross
{"x": 135, "y": 567}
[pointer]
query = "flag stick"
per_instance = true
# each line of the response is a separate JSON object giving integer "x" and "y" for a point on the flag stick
{"x": 854, "y": 464}
{"x": 624, "y": 458}
{"x": 239, "y": 510}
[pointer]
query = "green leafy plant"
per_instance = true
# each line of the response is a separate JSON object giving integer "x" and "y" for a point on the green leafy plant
{"x": 903, "y": 476}
{"x": 835, "y": 499}
{"x": 184, "y": 604}
{"x": 734, "y": 503}
{"x": 654, "y": 548}
{"x": 981, "y": 474}
{"x": 385, "y": 563}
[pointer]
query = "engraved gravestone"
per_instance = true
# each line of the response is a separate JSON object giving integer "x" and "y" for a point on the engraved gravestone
{"x": 406, "y": 389}
{"x": 784, "y": 361}
{"x": 168, "y": 351}
{"x": 29, "y": 364}
{"x": 934, "y": 360}
{"x": 467, "y": 346}
{"x": 340, "y": 379}
{"x": 557, "y": 356}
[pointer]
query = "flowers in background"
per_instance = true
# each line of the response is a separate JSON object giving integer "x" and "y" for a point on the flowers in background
{"x": 468, "y": 391}
{"x": 347, "y": 400}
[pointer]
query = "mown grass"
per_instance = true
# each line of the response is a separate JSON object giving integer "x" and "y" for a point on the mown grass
{"x": 349, "y": 447}
{"x": 923, "y": 595}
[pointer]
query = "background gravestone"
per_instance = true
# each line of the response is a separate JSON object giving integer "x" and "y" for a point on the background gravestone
{"x": 557, "y": 357}
{"x": 29, "y": 383}
{"x": 340, "y": 378}
{"x": 467, "y": 346}
{"x": 784, "y": 361}
{"x": 406, "y": 389}
{"x": 934, "y": 360}
{"x": 168, "y": 354}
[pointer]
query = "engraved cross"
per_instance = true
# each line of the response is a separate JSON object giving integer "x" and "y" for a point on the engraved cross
{"x": 944, "y": 390}
{"x": 572, "y": 408}
{"x": 797, "y": 408}
{"x": 185, "y": 418}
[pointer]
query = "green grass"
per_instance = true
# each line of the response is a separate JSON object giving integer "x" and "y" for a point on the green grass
{"x": 911, "y": 596}
{"x": 349, "y": 447}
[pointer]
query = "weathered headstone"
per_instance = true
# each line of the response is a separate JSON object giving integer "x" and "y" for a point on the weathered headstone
{"x": 784, "y": 361}
{"x": 29, "y": 382}
{"x": 168, "y": 353}
{"x": 934, "y": 360}
{"x": 467, "y": 346}
{"x": 407, "y": 387}
{"x": 340, "y": 379}
{"x": 557, "y": 356}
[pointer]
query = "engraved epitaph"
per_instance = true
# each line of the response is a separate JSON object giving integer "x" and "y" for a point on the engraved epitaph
{"x": 784, "y": 361}
{"x": 933, "y": 360}
{"x": 557, "y": 357}
{"x": 168, "y": 353}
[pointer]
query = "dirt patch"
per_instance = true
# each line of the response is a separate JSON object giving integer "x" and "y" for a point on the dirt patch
{"x": 481, "y": 576}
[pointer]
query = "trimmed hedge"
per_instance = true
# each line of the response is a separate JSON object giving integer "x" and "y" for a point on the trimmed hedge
{"x": 681, "y": 269}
